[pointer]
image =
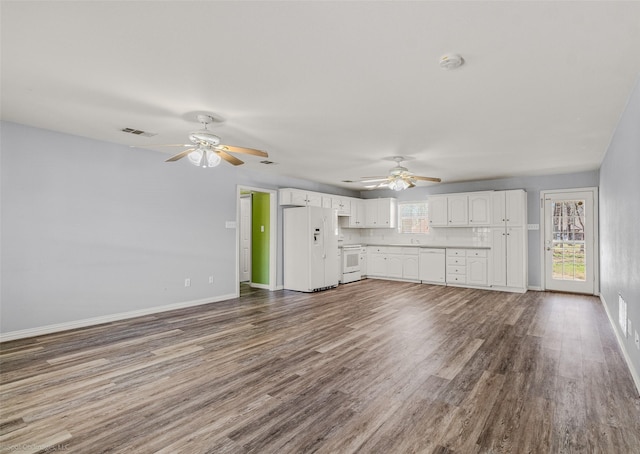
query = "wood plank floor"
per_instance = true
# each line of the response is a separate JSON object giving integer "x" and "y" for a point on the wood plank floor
{"x": 372, "y": 367}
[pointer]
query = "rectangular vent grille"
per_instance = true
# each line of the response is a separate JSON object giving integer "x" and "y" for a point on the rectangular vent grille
{"x": 267, "y": 162}
{"x": 138, "y": 132}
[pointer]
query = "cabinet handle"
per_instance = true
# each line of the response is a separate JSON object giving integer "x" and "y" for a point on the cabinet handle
{"x": 507, "y": 220}
{"x": 503, "y": 220}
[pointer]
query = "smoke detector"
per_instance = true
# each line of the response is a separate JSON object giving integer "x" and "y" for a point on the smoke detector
{"x": 451, "y": 61}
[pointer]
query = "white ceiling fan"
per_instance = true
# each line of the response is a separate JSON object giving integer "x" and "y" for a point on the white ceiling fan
{"x": 399, "y": 178}
{"x": 207, "y": 151}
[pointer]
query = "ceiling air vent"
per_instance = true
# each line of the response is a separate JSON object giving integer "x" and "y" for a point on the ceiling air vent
{"x": 139, "y": 132}
{"x": 267, "y": 162}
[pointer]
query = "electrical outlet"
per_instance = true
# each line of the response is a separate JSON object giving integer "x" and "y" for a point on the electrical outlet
{"x": 210, "y": 279}
{"x": 637, "y": 339}
{"x": 187, "y": 282}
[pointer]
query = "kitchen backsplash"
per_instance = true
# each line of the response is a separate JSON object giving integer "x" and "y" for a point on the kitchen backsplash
{"x": 459, "y": 235}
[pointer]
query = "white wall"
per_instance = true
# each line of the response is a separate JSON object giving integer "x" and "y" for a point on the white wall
{"x": 91, "y": 229}
{"x": 532, "y": 185}
{"x": 620, "y": 223}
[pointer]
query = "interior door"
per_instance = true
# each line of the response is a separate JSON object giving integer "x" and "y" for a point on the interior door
{"x": 569, "y": 249}
{"x": 245, "y": 239}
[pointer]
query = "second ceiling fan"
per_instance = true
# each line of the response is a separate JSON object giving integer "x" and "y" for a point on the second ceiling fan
{"x": 399, "y": 178}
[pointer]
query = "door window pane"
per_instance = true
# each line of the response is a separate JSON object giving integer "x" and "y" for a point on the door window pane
{"x": 568, "y": 240}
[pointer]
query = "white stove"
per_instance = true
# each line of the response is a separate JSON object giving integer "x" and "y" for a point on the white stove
{"x": 351, "y": 263}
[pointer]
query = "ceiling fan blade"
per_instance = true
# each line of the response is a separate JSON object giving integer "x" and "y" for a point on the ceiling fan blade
{"x": 180, "y": 155}
{"x": 411, "y": 184}
{"x": 435, "y": 180}
{"x": 163, "y": 145}
{"x": 244, "y": 150}
{"x": 230, "y": 159}
{"x": 374, "y": 179}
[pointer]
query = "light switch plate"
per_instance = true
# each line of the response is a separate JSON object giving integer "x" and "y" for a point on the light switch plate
{"x": 533, "y": 226}
{"x": 230, "y": 225}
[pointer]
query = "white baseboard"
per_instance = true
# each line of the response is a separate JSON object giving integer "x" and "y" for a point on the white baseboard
{"x": 279, "y": 287}
{"x": 535, "y": 288}
{"x": 255, "y": 285}
{"x": 48, "y": 329}
{"x": 634, "y": 373}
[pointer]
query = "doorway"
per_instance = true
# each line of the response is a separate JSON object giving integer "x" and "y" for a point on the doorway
{"x": 569, "y": 240}
{"x": 256, "y": 237}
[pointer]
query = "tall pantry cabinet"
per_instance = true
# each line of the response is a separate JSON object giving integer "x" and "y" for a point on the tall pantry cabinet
{"x": 509, "y": 241}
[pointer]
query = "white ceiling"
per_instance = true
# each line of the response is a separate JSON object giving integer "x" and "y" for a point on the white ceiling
{"x": 330, "y": 89}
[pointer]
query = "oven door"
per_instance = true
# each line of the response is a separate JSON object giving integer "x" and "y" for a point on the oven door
{"x": 350, "y": 260}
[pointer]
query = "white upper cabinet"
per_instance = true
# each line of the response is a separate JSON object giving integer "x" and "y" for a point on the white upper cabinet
{"x": 480, "y": 208}
{"x": 380, "y": 213}
{"x": 356, "y": 216}
{"x": 457, "y": 209}
{"x": 299, "y": 197}
{"x": 509, "y": 208}
{"x": 438, "y": 211}
{"x": 342, "y": 204}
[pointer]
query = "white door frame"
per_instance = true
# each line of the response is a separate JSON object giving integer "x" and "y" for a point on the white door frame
{"x": 273, "y": 234}
{"x": 245, "y": 200}
{"x": 596, "y": 242}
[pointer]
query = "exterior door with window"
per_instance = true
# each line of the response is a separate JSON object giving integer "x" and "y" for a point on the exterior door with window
{"x": 569, "y": 249}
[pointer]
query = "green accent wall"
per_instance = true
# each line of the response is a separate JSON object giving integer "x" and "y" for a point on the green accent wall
{"x": 260, "y": 210}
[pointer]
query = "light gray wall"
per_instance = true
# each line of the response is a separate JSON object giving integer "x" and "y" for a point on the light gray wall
{"x": 91, "y": 228}
{"x": 620, "y": 221}
{"x": 532, "y": 185}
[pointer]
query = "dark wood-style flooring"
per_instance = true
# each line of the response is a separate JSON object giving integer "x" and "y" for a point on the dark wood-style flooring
{"x": 372, "y": 367}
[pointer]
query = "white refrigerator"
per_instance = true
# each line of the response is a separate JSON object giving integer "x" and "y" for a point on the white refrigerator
{"x": 311, "y": 260}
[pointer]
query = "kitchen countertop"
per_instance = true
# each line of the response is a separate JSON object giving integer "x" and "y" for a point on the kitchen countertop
{"x": 438, "y": 246}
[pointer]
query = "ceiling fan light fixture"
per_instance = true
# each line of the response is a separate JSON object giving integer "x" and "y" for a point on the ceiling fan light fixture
{"x": 204, "y": 158}
{"x": 398, "y": 184}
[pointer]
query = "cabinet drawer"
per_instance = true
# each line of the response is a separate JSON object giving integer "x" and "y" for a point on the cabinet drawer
{"x": 456, "y": 261}
{"x": 456, "y": 279}
{"x": 410, "y": 250}
{"x": 456, "y": 269}
{"x": 456, "y": 252}
{"x": 477, "y": 253}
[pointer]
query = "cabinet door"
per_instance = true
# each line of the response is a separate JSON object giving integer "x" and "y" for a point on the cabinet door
{"x": 371, "y": 213}
{"x": 498, "y": 215}
{"x": 515, "y": 208}
{"x": 457, "y": 207}
{"x": 411, "y": 267}
{"x": 341, "y": 204}
{"x": 357, "y": 218}
{"x": 327, "y": 201}
{"x": 477, "y": 271}
{"x": 498, "y": 257}
{"x": 314, "y": 199}
{"x": 298, "y": 198}
{"x": 363, "y": 261}
{"x": 480, "y": 209}
{"x": 387, "y": 213}
{"x": 515, "y": 257}
{"x": 437, "y": 206}
{"x": 377, "y": 264}
{"x": 394, "y": 265}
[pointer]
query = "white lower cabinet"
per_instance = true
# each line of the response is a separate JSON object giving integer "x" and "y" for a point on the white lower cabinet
{"x": 509, "y": 258}
{"x": 477, "y": 267}
{"x": 467, "y": 267}
{"x": 393, "y": 262}
{"x": 376, "y": 263}
{"x": 411, "y": 267}
{"x": 394, "y": 266}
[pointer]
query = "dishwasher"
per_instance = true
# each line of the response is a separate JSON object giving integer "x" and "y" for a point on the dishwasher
{"x": 432, "y": 265}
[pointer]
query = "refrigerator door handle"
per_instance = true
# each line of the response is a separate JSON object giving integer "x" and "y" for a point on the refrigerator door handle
{"x": 324, "y": 237}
